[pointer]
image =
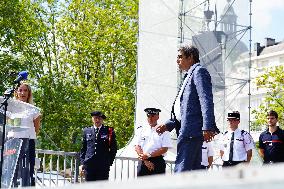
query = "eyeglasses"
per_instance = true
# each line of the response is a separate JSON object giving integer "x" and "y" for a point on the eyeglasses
{"x": 179, "y": 56}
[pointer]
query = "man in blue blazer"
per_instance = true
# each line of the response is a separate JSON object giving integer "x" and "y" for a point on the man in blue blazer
{"x": 193, "y": 111}
{"x": 99, "y": 148}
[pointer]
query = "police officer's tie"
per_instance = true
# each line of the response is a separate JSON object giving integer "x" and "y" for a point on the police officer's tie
{"x": 96, "y": 132}
{"x": 231, "y": 147}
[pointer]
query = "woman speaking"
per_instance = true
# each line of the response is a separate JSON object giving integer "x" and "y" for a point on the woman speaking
{"x": 30, "y": 119}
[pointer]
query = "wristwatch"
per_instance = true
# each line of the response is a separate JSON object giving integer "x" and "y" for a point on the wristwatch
{"x": 149, "y": 155}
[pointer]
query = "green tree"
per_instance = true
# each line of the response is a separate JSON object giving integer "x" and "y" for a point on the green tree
{"x": 81, "y": 56}
{"x": 272, "y": 81}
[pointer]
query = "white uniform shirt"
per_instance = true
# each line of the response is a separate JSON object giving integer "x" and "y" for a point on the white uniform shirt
{"x": 26, "y": 119}
{"x": 150, "y": 140}
{"x": 207, "y": 151}
{"x": 242, "y": 143}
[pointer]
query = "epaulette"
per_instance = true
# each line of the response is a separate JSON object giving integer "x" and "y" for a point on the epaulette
{"x": 243, "y": 132}
{"x": 139, "y": 127}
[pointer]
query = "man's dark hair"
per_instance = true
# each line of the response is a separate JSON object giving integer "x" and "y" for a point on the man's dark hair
{"x": 272, "y": 113}
{"x": 188, "y": 50}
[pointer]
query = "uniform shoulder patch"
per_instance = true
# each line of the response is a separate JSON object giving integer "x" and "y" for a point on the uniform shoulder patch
{"x": 225, "y": 132}
{"x": 139, "y": 127}
{"x": 85, "y": 128}
{"x": 243, "y": 132}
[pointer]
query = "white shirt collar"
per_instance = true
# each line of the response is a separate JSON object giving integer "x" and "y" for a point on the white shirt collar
{"x": 235, "y": 131}
{"x": 97, "y": 127}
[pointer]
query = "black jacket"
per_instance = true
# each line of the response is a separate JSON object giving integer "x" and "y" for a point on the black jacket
{"x": 99, "y": 152}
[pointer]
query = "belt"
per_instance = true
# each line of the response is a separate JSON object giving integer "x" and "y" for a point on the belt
{"x": 233, "y": 162}
{"x": 157, "y": 157}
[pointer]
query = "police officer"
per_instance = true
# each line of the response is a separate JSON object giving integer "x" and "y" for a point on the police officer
{"x": 271, "y": 141}
{"x": 99, "y": 148}
{"x": 236, "y": 144}
{"x": 150, "y": 146}
{"x": 207, "y": 155}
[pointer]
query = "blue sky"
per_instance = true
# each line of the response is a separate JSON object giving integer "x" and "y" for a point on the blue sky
{"x": 267, "y": 17}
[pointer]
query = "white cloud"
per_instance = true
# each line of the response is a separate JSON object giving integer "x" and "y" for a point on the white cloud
{"x": 262, "y": 12}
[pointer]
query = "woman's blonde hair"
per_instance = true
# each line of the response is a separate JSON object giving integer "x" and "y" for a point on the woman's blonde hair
{"x": 30, "y": 95}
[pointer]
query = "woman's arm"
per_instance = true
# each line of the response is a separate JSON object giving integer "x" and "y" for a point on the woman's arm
{"x": 37, "y": 124}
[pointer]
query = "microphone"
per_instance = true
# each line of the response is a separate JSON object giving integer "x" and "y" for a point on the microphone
{"x": 23, "y": 75}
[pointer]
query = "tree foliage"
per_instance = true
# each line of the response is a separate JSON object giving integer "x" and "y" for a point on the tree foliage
{"x": 81, "y": 56}
{"x": 272, "y": 81}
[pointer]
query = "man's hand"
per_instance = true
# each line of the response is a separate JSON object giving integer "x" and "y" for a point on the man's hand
{"x": 143, "y": 156}
{"x": 81, "y": 170}
{"x": 149, "y": 165}
{"x": 161, "y": 129}
{"x": 208, "y": 135}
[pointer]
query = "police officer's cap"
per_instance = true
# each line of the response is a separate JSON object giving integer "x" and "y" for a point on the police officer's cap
{"x": 152, "y": 111}
{"x": 233, "y": 115}
{"x": 99, "y": 114}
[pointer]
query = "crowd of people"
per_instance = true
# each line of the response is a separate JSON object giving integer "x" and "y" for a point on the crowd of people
{"x": 192, "y": 117}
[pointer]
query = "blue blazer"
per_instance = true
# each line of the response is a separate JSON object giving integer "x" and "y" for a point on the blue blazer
{"x": 196, "y": 105}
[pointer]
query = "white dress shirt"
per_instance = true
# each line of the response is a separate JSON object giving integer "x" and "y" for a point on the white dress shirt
{"x": 177, "y": 102}
{"x": 207, "y": 151}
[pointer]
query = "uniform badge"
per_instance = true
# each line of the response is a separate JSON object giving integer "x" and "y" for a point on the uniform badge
{"x": 239, "y": 139}
{"x": 88, "y": 136}
{"x": 103, "y": 136}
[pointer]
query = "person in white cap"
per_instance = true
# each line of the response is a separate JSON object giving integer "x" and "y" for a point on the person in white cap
{"x": 150, "y": 146}
{"x": 236, "y": 145}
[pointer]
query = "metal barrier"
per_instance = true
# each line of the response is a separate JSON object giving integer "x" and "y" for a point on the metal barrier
{"x": 125, "y": 168}
{"x": 59, "y": 168}
{"x": 56, "y": 168}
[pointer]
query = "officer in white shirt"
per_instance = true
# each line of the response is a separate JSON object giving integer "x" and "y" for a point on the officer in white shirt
{"x": 207, "y": 155}
{"x": 236, "y": 145}
{"x": 150, "y": 146}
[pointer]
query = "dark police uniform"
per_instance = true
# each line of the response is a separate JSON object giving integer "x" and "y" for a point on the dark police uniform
{"x": 98, "y": 152}
{"x": 273, "y": 145}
